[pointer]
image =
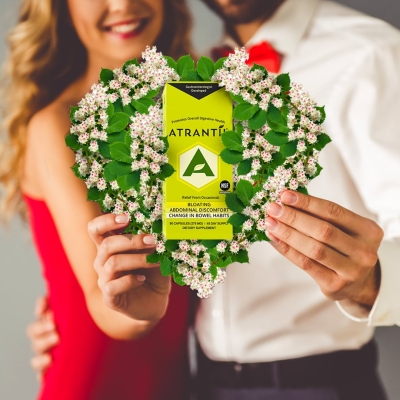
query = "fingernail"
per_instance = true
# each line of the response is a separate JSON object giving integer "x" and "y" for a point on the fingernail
{"x": 288, "y": 197}
{"x": 140, "y": 278}
{"x": 275, "y": 210}
{"x": 148, "y": 239}
{"x": 271, "y": 224}
{"x": 121, "y": 219}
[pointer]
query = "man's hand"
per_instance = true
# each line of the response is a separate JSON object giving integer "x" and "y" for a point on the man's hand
{"x": 43, "y": 336}
{"x": 335, "y": 246}
{"x": 128, "y": 283}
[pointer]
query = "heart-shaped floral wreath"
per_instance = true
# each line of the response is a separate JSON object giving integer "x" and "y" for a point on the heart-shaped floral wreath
{"x": 117, "y": 136}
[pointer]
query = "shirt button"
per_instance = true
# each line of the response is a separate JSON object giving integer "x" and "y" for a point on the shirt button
{"x": 217, "y": 313}
{"x": 238, "y": 367}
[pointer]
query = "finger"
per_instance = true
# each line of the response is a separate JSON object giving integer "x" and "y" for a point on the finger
{"x": 309, "y": 247}
{"x": 119, "y": 264}
{"x": 325, "y": 278}
{"x": 326, "y": 210}
{"x": 100, "y": 227}
{"x": 40, "y": 327}
{"x": 123, "y": 244}
{"x": 45, "y": 343}
{"x": 41, "y": 362}
{"x": 41, "y": 305}
{"x": 114, "y": 289}
{"x": 318, "y": 229}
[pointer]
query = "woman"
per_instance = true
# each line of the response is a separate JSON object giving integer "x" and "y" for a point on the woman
{"x": 56, "y": 52}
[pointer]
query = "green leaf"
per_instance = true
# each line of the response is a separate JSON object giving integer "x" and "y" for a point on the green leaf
{"x": 237, "y": 229}
{"x": 185, "y": 63}
{"x": 172, "y": 245}
{"x": 239, "y": 128}
{"x": 166, "y": 267}
{"x": 75, "y": 168}
{"x": 213, "y": 270}
{"x": 232, "y": 141}
{"x": 236, "y": 98}
{"x": 171, "y": 62}
{"x": 224, "y": 263}
{"x": 154, "y": 258}
{"x": 210, "y": 244}
{"x": 106, "y": 75}
{"x": 157, "y": 226}
{"x": 205, "y": 68}
{"x": 117, "y": 137}
{"x": 114, "y": 169}
{"x": 72, "y": 112}
{"x": 166, "y": 171}
{"x": 152, "y": 93}
{"x": 191, "y": 75}
{"x": 283, "y": 80}
{"x": 120, "y": 152}
{"x": 234, "y": 203}
{"x": 237, "y": 219}
{"x": 262, "y": 237}
{"x": 110, "y": 110}
{"x": 323, "y": 114}
{"x": 245, "y": 111}
{"x": 276, "y": 138}
{"x": 71, "y": 140}
{"x": 244, "y": 190}
{"x": 178, "y": 278}
{"x": 118, "y": 122}
{"x": 94, "y": 194}
{"x": 289, "y": 149}
{"x": 213, "y": 254}
{"x": 258, "y": 120}
{"x": 303, "y": 190}
{"x": 118, "y": 106}
{"x": 277, "y": 160}
{"x": 276, "y": 120}
{"x": 128, "y": 141}
{"x": 128, "y": 181}
{"x": 319, "y": 169}
{"x": 143, "y": 104}
{"x": 244, "y": 167}
{"x": 130, "y": 62}
{"x": 104, "y": 150}
{"x": 242, "y": 256}
{"x": 129, "y": 110}
{"x": 231, "y": 157}
{"x": 220, "y": 63}
{"x": 323, "y": 140}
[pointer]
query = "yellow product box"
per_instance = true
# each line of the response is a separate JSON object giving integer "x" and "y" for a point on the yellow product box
{"x": 195, "y": 116}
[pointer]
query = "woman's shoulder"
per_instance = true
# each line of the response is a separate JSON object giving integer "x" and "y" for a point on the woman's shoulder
{"x": 45, "y": 142}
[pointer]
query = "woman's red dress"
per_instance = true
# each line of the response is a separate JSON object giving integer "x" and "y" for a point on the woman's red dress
{"x": 87, "y": 364}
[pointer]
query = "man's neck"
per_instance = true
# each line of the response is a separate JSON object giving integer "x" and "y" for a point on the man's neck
{"x": 242, "y": 33}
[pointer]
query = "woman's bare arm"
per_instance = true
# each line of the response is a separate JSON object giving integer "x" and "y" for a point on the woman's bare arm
{"x": 48, "y": 163}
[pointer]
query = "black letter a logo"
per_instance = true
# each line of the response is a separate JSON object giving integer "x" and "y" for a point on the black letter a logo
{"x": 198, "y": 165}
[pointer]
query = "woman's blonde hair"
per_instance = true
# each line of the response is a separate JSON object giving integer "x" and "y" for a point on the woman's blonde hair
{"x": 45, "y": 56}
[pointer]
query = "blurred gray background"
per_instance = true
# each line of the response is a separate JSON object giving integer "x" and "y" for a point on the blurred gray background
{"x": 21, "y": 280}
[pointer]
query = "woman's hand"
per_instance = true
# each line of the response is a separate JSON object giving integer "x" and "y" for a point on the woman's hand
{"x": 336, "y": 247}
{"x": 43, "y": 336}
{"x": 128, "y": 283}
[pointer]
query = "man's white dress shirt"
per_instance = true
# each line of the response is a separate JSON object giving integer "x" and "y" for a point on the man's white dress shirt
{"x": 270, "y": 309}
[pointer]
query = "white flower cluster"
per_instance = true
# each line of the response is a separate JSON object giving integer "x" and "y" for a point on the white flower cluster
{"x": 258, "y": 88}
{"x": 192, "y": 262}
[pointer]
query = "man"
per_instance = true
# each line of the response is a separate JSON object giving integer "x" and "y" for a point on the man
{"x": 270, "y": 310}
{"x": 269, "y": 332}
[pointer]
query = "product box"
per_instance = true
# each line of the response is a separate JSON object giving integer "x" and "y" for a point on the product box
{"x": 195, "y": 116}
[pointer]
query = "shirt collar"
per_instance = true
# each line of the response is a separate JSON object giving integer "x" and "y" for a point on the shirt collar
{"x": 285, "y": 28}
